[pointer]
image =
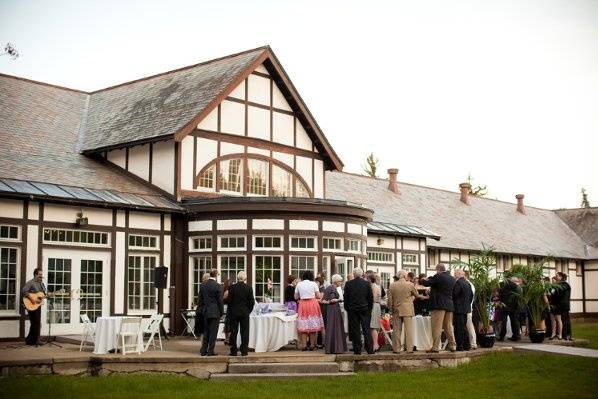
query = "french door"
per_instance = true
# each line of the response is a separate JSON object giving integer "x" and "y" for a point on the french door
{"x": 80, "y": 281}
{"x": 344, "y": 265}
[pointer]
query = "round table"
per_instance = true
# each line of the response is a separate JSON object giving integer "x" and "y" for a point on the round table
{"x": 106, "y": 334}
{"x": 271, "y": 331}
{"x": 422, "y": 333}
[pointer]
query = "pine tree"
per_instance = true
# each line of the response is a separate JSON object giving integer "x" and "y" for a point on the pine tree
{"x": 371, "y": 166}
{"x": 585, "y": 203}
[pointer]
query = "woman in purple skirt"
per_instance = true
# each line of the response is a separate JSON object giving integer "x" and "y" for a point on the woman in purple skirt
{"x": 335, "y": 329}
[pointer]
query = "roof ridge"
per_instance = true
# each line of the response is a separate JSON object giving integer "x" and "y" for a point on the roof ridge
{"x": 263, "y": 48}
{"x": 444, "y": 190}
{"x": 43, "y": 83}
{"x": 576, "y": 209}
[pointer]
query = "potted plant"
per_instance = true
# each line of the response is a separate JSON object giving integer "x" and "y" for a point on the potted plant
{"x": 482, "y": 274}
{"x": 533, "y": 294}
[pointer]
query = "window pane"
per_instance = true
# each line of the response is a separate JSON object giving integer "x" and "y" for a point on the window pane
{"x": 258, "y": 177}
{"x": 301, "y": 190}
{"x": 207, "y": 178}
{"x": 230, "y": 175}
{"x": 281, "y": 182}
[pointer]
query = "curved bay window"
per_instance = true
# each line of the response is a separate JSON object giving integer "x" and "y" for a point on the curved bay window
{"x": 263, "y": 176}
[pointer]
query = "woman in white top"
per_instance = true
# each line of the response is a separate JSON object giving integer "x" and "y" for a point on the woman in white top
{"x": 309, "y": 316}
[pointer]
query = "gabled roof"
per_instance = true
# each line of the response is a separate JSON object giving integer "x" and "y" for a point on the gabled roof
{"x": 171, "y": 104}
{"x": 39, "y": 132}
{"x": 584, "y": 221}
{"x": 485, "y": 221}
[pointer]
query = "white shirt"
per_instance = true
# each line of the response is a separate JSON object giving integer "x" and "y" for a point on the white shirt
{"x": 472, "y": 290}
{"x": 306, "y": 289}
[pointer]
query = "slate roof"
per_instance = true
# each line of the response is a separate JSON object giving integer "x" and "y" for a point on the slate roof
{"x": 496, "y": 223}
{"x": 584, "y": 221}
{"x": 161, "y": 105}
{"x": 39, "y": 132}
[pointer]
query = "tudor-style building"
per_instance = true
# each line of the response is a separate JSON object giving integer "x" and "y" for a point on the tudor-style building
{"x": 218, "y": 165}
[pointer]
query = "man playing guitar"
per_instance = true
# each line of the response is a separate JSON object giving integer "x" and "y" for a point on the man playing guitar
{"x": 34, "y": 286}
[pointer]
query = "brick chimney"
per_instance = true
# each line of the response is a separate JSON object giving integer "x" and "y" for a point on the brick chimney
{"x": 392, "y": 180}
{"x": 464, "y": 187}
{"x": 520, "y": 207}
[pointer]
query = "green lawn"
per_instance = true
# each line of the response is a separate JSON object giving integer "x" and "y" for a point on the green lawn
{"x": 511, "y": 375}
{"x": 586, "y": 330}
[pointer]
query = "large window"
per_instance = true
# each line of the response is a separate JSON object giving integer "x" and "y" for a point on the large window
{"x": 142, "y": 294}
{"x": 230, "y": 175}
{"x": 8, "y": 279}
{"x": 91, "y": 288}
{"x": 264, "y": 176}
{"x": 230, "y": 266}
{"x": 302, "y": 263}
{"x": 258, "y": 177}
{"x": 59, "y": 282}
{"x": 282, "y": 182}
{"x": 410, "y": 259}
{"x": 75, "y": 237}
{"x": 268, "y": 273}
{"x": 201, "y": 265}
{"x": 267, "y": 242}
{"x": 353, "y": 245}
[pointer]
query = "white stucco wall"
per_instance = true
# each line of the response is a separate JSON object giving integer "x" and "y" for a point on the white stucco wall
{"x": 163, "y": 169}
{"x": 139, "y": 161}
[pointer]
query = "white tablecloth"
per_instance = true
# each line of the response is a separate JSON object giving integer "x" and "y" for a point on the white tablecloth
{"x": 422, "y": 333}
{"x": 271, "y": 331}
{"x": 107, "y": 329}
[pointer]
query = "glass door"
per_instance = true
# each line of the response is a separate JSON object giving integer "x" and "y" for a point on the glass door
{"x": 344, "y": 265}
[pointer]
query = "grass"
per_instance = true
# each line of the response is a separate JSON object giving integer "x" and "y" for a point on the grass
{"x": 586, "y": 330}
{"x": 527, "y": 375}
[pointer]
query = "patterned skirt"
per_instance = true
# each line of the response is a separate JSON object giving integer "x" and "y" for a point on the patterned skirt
{"x": 309, "y": 317}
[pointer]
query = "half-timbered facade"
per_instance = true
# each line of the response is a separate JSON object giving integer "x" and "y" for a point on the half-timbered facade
{"x": 217, "y": 165}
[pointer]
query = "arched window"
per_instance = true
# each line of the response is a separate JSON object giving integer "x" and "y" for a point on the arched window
{"x": 251, "y": 174}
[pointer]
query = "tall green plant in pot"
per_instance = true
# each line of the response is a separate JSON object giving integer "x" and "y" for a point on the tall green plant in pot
{"x": 533, "y": 294}
{"x": 482, "y": 274}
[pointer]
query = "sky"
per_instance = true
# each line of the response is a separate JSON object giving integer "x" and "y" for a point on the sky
{"x": 506, "y": 91}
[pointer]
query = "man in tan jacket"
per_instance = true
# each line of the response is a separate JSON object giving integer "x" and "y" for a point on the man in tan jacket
{"x": 400, "y": 302}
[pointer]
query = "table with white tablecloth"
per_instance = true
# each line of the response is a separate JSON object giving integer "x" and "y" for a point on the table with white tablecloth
{"x": 106, "y": 334}
{"x": 422, "y": 332}
{"x": 271, "y": 331}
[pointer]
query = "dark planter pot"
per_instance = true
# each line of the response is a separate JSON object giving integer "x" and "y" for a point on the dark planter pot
{"x": 486, "y": 340}
{"x": 537, "y": 336}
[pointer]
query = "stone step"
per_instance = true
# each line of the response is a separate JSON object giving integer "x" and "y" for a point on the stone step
{"x": 294, "y": 358}
{"x": 283, "y": 368}
{"x": 277, "y": 375}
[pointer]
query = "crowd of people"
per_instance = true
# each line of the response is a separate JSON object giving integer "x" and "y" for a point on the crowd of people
{"x": 329, "y": 313}
{"x": 508, "y": 309}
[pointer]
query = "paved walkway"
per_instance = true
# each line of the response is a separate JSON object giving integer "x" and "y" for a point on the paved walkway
{"x": 557, "y": 349}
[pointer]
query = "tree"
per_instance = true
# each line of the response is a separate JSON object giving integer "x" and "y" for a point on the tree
{"x": 11, "y": 51}
{"x": 585, "y": 203}
{"x": 371, "y": 166}
{"x": 478, "y": 191}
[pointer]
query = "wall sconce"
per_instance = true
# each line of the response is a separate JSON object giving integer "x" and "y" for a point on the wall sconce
{"x": 379, "y": 241}
{"x": 81, "y": 221}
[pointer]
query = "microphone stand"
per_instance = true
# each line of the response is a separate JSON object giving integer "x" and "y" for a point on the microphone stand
{"x": 49, "y": 339}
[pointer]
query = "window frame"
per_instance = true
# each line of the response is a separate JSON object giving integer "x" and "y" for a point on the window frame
{"x": 409, "y": 263}
{"x": 17, "y": 293}
{"x": 306, "y": 248}
{"x": 256, "y": 248}
{"x": 193, "y": 274}
{"x": 380, "y": 260}
{"x": 340, "y": 244}
{"x": 143, "y": 247}
{"x": 8, "y": 227}
{"x": 349, "y": 242}
{"x": 192, "y": 239}
{"x": 73, "y": 233}
{"x": 142, "y": 294}
{"x": 229, "y": 237}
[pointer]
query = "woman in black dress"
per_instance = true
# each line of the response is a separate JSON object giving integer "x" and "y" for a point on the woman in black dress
{"x": 334, "y": 339}
{"x": 289, "y": 293}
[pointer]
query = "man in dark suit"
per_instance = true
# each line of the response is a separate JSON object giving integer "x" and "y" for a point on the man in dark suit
{"x": 359, "y": 301}
{"x": 212, "y": 307}
{"x": 510, "y": 293}
{"x": 462, "y": 298}
{"x": 441, "y": 306}
{"x": 240, "y": 305}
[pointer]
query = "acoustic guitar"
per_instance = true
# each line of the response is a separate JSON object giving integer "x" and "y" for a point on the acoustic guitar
{"x": 38, "y": 299}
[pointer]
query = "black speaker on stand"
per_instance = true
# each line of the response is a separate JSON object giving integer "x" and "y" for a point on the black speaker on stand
{"x": 160, "y": 280}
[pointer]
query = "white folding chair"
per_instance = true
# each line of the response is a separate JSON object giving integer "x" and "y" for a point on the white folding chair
{"x": 89, "y": 331}
{"x": 152, "y": 329}
{"x": 129, "y": 328}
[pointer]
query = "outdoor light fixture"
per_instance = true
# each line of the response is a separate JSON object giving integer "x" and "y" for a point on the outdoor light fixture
{"x": 380, "y": 241}
{"x": 80, "y": 221}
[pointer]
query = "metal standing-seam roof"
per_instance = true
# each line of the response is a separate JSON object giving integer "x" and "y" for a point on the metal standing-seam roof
{"x": 485, "y": 221}
{"x": 402, "y": 230}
